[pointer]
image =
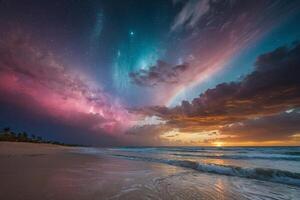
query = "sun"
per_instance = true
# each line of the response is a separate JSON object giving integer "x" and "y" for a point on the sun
{"x": 218, "y": 144}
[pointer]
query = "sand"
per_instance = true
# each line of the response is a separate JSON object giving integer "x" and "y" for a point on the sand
{"x": 31, "y": 171}
{"x": 41, "y": 171}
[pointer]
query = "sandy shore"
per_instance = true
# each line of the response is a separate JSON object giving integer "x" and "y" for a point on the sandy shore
{"x": 37, "y": 171}
{"x": 23, "y": 148}
{"x": 41, "y": 171}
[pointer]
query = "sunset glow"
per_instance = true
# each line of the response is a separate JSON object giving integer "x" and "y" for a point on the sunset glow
{"x": 218, "y": 144}
{"x": 181, "y": 77}
{"x": 150, "y": 99}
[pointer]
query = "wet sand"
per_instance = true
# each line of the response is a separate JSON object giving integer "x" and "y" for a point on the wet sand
{"x": 40, "y": 171}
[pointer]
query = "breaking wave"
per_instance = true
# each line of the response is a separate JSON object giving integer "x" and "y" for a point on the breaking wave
{"x": 291, "y": 157}
{"x": 264, "y": 174}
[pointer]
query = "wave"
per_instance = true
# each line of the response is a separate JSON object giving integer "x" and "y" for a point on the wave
{"x": 160, "y": 149}
{"x": 292, "y": 157}
{"x": 294, "y": 153}
{"x": 272, "y": 175}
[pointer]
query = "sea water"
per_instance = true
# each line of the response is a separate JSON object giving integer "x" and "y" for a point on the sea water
{"x": 218, "y": 172}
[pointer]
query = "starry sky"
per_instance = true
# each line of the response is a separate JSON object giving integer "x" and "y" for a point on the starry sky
{"x": 146, "y": 72}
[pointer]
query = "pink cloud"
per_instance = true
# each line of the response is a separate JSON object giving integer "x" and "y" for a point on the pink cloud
{"x": 56, "y": 90}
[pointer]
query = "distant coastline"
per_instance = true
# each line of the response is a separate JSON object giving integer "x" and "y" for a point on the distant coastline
{"x": 7, "y": 135}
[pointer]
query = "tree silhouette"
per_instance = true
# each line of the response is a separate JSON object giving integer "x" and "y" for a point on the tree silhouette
{"x": 25, "y": 135}
{"x": 33, "y": 137}
{"x": 39, "y": 138}
{"x": 6, "y": 129}
{"x": 8, "y": 135}
{"x": 19, "y": 135}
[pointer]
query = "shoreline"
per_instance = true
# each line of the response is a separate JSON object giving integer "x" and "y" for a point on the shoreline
{"x": 30, "y": 171}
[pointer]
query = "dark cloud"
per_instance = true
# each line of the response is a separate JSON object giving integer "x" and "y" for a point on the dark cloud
{"x": 23, "y": 113}
{"x": 277, "y": 127}
{"x": 161, "y": 73}
{"x": 146, "y": 135}
{"x": 273, "y": 87}
{"x": 211, "y": 33}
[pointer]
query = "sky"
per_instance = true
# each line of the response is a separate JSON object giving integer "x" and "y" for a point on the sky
{"x": 145, "y": 72}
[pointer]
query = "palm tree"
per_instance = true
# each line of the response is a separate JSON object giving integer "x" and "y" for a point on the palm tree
{"x": 39, "y": 139}
{"x": 33, "y": 137}
{"x": 25, "y": 135}
{"x": 6, "y": 130}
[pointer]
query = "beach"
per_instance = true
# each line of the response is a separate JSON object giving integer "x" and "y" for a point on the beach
{"x": 43, "y": 171}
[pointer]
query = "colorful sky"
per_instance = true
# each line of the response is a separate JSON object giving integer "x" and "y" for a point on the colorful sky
{"x": 144, "y": 72}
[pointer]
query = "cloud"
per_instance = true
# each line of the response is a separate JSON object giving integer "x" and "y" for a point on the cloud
{"x": 190, "y": 14}
{"x": 146, "y": 135}
{"x": 273, "y": 87}
{"x": 162, "y": 73}
{"x": 45, "y": 84}
{"x": 276, "y": 127}
{"x": 214, "y": 33}
{"x": 23, "y": 113}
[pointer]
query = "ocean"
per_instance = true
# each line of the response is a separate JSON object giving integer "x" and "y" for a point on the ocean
{"x": 216, "y": 172}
